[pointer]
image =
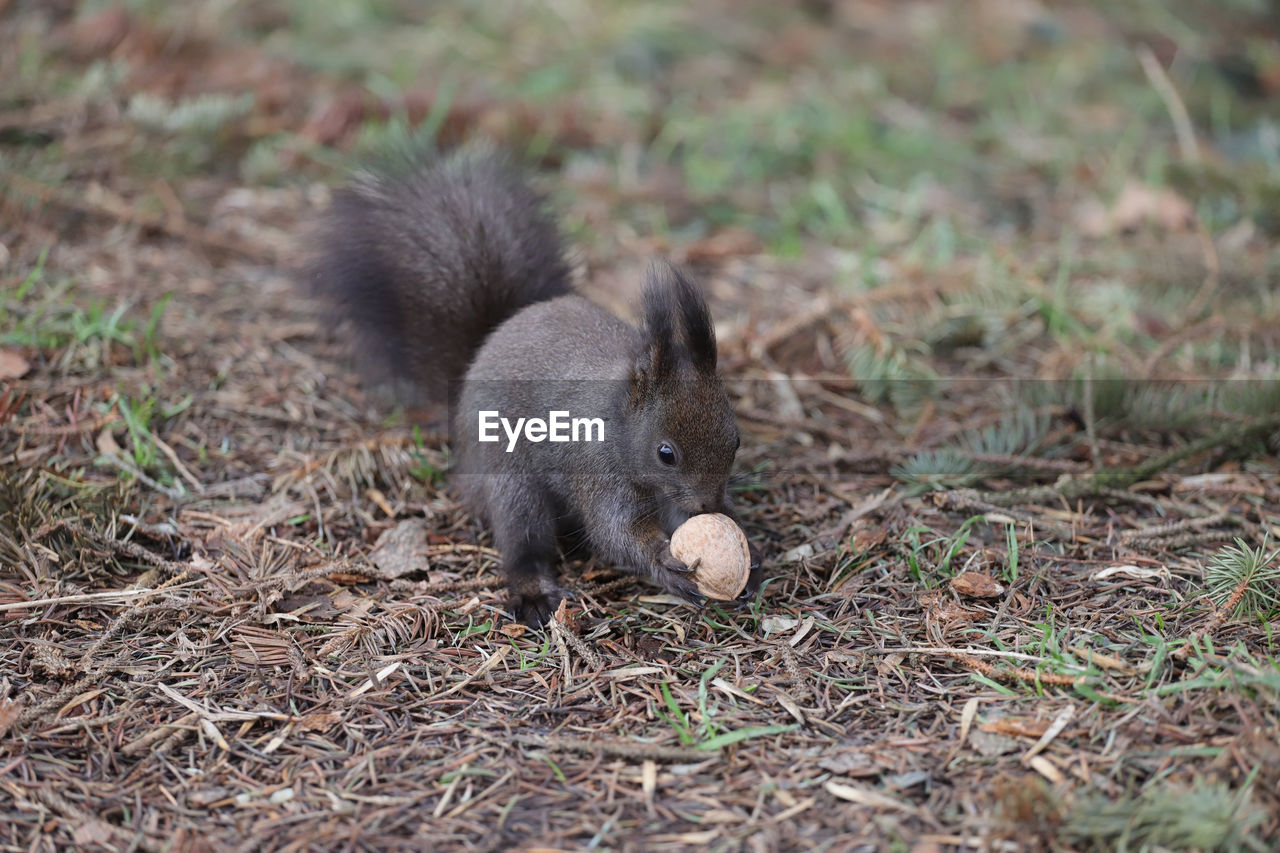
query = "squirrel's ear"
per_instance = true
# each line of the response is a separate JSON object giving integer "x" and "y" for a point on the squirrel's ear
{"x": 650, "y": 366}
{"x": 658, "y": 360}
{"x": 671, "y": 300}
{"x": 699, "y": 332}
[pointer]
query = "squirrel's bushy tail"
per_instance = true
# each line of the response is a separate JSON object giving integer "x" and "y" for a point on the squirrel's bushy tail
{"x": 426, "y": 264}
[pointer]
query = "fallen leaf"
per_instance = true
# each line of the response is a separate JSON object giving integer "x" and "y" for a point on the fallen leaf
{"x": 865, "y": 540}
{"x": 947, "y": 612}
{"x": 909, "y": 779}
{"x": 867, "y": 797}
{"x": 1016, "y": 728}
{"x": 106, "y": 443}
{"x": 9, "y": 711}
{"x": 92, "y": 832}
{"x": 346, "y": 600}
{"x": 977, "y": 585}
{"x": 798, "y": 553}
{"x": 773, "y": 624}
{"x": 851, "y": 764}
{"x": 1136, "y": 206}
{"x": 402, "y": 549}
{"x": 13, "y": 365}
{"x": 320, "y": 721}
{"x": 991, "y": 744}
{"x": 1131, "y": 573}
{"x": 566, "y": 617}
{"x": 205, "y": 797}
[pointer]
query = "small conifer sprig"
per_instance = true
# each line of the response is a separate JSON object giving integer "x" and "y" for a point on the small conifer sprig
{"x": 957, "y": 466}
{"x": 889, "y": 374}
{"x": 1240, "y": 581}
{"x": 1243, "y": 580}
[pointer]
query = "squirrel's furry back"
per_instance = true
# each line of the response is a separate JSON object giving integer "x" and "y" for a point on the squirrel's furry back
{"x": 425, "y": 264}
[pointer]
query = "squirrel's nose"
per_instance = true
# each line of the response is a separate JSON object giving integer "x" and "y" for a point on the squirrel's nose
{"x": 710, "y": 505}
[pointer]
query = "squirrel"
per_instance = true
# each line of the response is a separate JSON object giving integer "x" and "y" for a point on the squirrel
{"x": 454, "y": 278}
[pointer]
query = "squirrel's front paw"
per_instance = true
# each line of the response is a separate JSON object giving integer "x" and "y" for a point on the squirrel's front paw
{"x": 685, "y": 588}
{"x": 676, "y": 578}
{"x": 668, "y": 562}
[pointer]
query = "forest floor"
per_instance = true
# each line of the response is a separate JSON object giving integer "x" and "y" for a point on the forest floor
{"x": 998, "y": 293}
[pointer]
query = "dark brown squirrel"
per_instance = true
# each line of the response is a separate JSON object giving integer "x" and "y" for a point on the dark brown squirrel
{"x": 454, "y": 271}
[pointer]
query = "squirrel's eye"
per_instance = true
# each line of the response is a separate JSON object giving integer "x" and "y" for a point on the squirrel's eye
{"x": 666, "y": 454}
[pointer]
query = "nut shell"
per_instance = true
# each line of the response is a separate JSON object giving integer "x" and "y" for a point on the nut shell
{"x": 720, "y": 547}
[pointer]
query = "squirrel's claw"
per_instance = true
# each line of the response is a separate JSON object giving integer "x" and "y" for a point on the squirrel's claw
{"x": 679, "y": 582}
{"x": 756, "y": 575}
{"x": 671, "y": 563}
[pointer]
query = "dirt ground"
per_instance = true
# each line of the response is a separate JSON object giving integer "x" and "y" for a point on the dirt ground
{"x": 996, "y": 290}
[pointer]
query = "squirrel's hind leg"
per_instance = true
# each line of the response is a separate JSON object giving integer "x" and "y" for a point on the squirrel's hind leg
{"x": 524, "y": 531}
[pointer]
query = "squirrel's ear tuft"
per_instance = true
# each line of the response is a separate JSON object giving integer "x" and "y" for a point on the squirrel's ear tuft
{"x": 660, "y": 350}
{"x": 673, "y": 307}
{"x": 699, "y": 331}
